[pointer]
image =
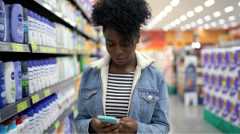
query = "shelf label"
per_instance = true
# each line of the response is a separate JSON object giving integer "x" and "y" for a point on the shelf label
{"x": 35, "y": 98}
{"x": 47, "y": 92}
{"x": 17, "y": 47}
{"x": 57, "y": 124}
{"x": 22, "y": 106}
{"x": 34, "y": 46}
{"x": 52, "y": 50}
{"x": 44, "y": 49}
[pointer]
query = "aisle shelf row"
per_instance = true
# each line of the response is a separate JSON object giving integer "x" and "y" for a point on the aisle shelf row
{"x": 15, "y": 108}
{"x": 13, "y": 47}
{"x": 56, "y": 123}
{"x": 33, "y": 48}
{"x": 220, "y": 123}
{"x": 47, "y": 9}
{"x": 79, "y": 7}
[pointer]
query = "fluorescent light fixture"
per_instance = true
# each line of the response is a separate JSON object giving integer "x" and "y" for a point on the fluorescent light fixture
{"x": 217, "y": 14}
{"x": 209, "y": 3}
{"x": 206, "y": 26}
{"x": 198, "y": 9}
{"x": 239, "y": 3}
{"x": 183, "y": 18}
{"x": 174, "y": 3}
{"x": 225, "y": 26}
{"x": 196, "y": 45}
{"x": 200, "y": 21}
{"x": 177, "y": 21}
{"x": 229, "y": 9}
{"x": 193, "y": 24}
{"x": 190, "y": 14}
{"x": 207, "y": 18}
{"x": 213, "y": 24}
{"x": 188, "y": 26}
{"x": 168, "y": 9}
{"x": 231, "y": 18}
{"x": 221, "y": 21}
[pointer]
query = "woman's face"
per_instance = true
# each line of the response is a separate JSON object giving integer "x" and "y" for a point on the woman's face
{"x": 122, "y": 51}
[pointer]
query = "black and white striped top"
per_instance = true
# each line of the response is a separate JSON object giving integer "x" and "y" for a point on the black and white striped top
{"x": 118, "y": 94}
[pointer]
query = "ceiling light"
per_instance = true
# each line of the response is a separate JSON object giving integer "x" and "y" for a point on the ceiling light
{"x": 207, "y": 18}
{"x": 217, "y": 14}
{"x": 229, "y": 9}
{"x": 206, "y": 26}
{"x": 177, "y": 21}
{"x": 174, "y": 3}
{"x": 198, "y": 9}
{"x": 239, "y": 3}
{"x": 221, "y": 21}
{"x": 231, "y": 18}
{"x": 209, "y": 3}
{"x": 183, "y": 18}
{"x": 196, "y": 45}
{"x": 193, "y": 24}
{"x": 168, "y": 9}
{"x": 188, "y": 26}
{"x": 200, "y": 21}
{"x": 190, "y": 14}
{"x": 213, "y": 24}
{"x": 225, "y": 26}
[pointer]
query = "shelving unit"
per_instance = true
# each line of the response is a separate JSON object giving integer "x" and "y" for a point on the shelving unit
{"x": 33, "y": 51}
{"x": 56, "y": 124}
{"x": 13, "y": 109}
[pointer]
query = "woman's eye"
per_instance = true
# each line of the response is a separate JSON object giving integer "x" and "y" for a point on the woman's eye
{"x": 109, "y": 43}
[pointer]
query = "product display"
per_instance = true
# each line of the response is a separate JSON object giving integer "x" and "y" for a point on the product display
{"x": 38, "y": 118}
{"x": 221, "y": 82}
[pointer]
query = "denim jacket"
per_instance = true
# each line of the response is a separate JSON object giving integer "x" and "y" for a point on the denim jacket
{"x": 148, "y": 103}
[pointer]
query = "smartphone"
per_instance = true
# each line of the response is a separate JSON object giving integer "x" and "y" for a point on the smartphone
{"x": 108, "y": 119}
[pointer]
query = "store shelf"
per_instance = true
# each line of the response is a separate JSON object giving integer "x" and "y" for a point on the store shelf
{"x": 79, "y": 7}
{"x": 13, "y": 109}
{"x": 56, "y": 124}
{"x": 220, "y": 123}
{"x": 13, "y": 47}
{"x": 50, "y": 50}
{"x": 63, "y": 20}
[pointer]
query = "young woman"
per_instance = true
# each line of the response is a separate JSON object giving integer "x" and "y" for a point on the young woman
{"x": 124, "y": 84}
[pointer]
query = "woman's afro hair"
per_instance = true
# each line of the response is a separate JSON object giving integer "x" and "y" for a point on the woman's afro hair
{"x": 124, "y": 16}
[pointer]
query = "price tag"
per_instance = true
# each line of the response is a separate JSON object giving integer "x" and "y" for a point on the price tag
{"x": 34, "y": 47}
{"x": 44, "y": 49}
{"x": 47, "y": 92}
{"x": 52, "y": 50}
{"x": 22, "y": 106}
{"x": 17, "y": 47}
{"x": 57, "y": 124}
{"x": 35, "y": 98}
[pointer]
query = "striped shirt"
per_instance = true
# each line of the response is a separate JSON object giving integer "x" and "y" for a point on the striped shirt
{"x": 118, "y": 94}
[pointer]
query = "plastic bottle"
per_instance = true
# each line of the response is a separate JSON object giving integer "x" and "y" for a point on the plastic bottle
{"x": 10, "y": 82}
{"x": 18, "y": 80}
{"x": 3, "y": 21}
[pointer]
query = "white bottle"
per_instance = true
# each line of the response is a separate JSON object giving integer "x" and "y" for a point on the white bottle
{"x": 9, "y": 82}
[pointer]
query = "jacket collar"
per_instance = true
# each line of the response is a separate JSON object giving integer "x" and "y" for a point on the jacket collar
{"x": 142, "y": 61}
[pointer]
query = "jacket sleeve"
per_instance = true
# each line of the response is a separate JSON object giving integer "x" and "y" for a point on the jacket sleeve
{"x": 159, "y": 123}
{"x": 83, "y": 119}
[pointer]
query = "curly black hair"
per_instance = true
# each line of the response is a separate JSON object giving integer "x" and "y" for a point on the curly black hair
{"x": 124, "y": 16}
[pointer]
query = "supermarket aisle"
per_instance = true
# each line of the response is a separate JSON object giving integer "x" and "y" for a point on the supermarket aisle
{"x": 188, "y": 120}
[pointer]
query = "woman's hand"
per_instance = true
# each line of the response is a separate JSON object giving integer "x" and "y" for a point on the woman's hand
{"x": 103, "y": 128}
{"x": 128, "y": 126}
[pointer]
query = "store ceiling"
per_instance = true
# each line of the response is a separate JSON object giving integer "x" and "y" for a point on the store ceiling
{"x": 190, "y": 14}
